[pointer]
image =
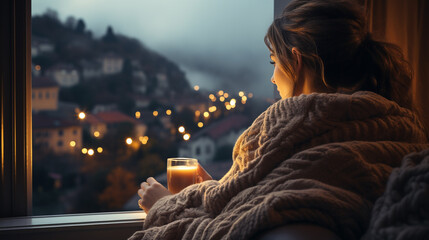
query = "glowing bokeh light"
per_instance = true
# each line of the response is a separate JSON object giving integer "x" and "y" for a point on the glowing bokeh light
{"x": 82, "y": 115}
{"x": 168, "y": 112}
{"x": 186, "y": 137}
{"x": 196, "y": 87}
{"x": 241, "y": 93}
{"x": 200, "y": 124}
{"x": 129, "y": 141}
{"x": 84, "y": 150}
{"x": 181, "y": 129}
{"x": 212, "y": 109}
{"x": 155, "y": 113}
{"x": 99, "y": 149}
{"x": 233, "y": 102}
{"x": 138, "y": 114}
{"x": 90, "y": 152}
{"x": 72, "y": 144}
{"x": 206, "y": 114}
{"x": 96, "y": 134}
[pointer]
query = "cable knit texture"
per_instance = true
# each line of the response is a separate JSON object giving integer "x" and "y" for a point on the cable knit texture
{"x": 320, "y": 158}
{"x": 402, "y": 212}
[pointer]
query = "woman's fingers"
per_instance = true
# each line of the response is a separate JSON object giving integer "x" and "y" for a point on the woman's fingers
{"x": 140, "y": 192}
{"x": 203, "y": 174}
{"x": 144, "y": 185}
{"x": 151, "y": 181}
{"x": 140, "y": 204}
{"x": 150, "y": 192}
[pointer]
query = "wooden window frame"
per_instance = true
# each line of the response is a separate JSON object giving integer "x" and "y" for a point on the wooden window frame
{"x": 16, "y": 221}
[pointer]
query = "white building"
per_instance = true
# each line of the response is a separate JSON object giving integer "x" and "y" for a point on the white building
{"x": 40, "y": 46}
{"x": 205, "y": 144}
{"x": 66, "y": 75}
{"x": 111, "y": 64}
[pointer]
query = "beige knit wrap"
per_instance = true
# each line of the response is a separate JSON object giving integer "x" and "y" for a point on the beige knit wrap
{"x": 318, "y": 158}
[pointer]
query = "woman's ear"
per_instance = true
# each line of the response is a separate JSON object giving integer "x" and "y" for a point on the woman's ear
{"x": 297, "y": 54}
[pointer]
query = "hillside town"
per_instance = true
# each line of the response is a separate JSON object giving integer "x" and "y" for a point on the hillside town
{"x": 108, "y": 112}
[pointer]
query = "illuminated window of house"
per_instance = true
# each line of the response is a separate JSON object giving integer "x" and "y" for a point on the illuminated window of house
{"x": 96, "y": 73}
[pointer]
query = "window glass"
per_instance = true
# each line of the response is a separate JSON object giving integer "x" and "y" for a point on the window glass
{"x": 128, "y": 84}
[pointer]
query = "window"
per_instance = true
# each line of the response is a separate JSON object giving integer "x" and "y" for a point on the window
{"x": 130, "y": 111}
{"x": 18, "y": 99}
{"x": 200, "y": 83}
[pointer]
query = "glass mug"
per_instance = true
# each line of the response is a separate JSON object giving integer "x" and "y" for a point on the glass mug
{"x": 181, "y": 172}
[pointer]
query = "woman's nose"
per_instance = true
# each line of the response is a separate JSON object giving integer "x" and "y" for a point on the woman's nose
{"x": 272, "y": 80}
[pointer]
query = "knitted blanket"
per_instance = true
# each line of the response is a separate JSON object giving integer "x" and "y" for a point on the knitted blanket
{"x": 320, "y": 158}
{"x": 403, "y": 210}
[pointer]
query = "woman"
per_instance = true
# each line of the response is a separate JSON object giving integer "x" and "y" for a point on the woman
{"x": 323, "y": 153}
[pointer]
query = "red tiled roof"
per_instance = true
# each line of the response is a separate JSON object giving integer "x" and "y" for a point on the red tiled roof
{"x": 227, "y": 124}
{"x": 222, "y": 127}
{"x": 91, "y": 119}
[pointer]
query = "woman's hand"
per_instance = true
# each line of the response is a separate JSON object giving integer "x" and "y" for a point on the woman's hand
{"x": 203, "y": 175}
{"x": 150, "y": 192}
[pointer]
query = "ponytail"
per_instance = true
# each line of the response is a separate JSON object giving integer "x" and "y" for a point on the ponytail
{"x": 385, "y": 71}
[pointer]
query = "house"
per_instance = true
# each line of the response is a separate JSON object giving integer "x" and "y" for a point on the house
{"x": 161, "y": 84}
{"x": 90, "y": 69}
{"x": 141, "y": 79}
{"x": 66, "y": 75}
{"x": 205, "y": 144}
{"x": 41, "y": 46}
{"x": 44, "y": 94}
{"x": 111, "y": 64}
{"x": 56, "y": 134}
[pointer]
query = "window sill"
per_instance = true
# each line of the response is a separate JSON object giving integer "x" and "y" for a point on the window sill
{"x": 115, "y": 225}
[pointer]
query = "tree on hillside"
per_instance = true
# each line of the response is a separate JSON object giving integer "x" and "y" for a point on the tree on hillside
{"x": 80, "y": 26}
{"x": 109, "y": 36}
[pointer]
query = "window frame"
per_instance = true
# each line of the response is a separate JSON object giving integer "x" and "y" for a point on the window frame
{"x": 16, "y": 146}
{"x": 16, "y": 221}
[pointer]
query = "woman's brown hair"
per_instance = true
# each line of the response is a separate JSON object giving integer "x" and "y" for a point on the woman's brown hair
{"x": 334, "y": 42}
